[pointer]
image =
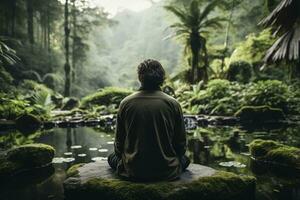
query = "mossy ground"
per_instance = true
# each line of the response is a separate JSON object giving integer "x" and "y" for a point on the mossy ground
{"x": 222, "y": 185}
{"x": 272, "y": 151}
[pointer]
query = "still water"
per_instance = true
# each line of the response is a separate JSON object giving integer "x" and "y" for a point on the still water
{"x": 224, "y": 148}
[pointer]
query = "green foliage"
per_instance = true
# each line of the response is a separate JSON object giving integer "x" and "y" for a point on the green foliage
{"x": 105, "y": 96}
{"x": 272, "y": 93}
{"x": 221, "y": 97}
{"x": 33, "y": 98}
{"x": 239, "y": 71}
{"x": 254, "y": 48}
{"x": 11, "y": 108}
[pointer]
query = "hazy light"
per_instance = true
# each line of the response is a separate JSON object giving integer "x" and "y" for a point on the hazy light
{"x": 114, "y": 6}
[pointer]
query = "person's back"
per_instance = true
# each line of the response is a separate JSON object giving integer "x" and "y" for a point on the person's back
{"x": 150, "y": 139}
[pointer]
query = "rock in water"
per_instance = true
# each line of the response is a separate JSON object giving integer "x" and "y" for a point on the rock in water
{"x": 24, "y": 158}
{"x": 97, "y": 181}
{"x": 260, "y": 114}
{"x": 70, "y": 104}
{"x": 28, "y": 123}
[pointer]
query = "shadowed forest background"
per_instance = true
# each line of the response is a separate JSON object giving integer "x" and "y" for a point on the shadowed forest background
{"x": 233, "y": 65}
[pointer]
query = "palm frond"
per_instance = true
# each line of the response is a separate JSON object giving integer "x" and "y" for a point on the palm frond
{"x": 215, "y": 22}
{"x": 284, "y": 15}
{"x": 178, "y": 12}
{"x": 286, "y": 47}
{"x": 208, "y": 9}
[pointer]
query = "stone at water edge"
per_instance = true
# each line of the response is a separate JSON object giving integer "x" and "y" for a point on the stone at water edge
{"x": 24, "y": 158}
{"x": 260, "y": 114}
{"x": 97, "y": 181}
{"x": 28, "y": 123}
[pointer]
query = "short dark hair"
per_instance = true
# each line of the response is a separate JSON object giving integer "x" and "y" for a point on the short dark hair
{"x": 151, "y": 74}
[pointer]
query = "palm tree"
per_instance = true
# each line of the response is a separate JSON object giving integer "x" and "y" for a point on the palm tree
{"x": 284, "y": 21}
{"x": 193, "y": 24}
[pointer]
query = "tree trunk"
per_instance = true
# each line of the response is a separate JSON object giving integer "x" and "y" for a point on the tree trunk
{"x": 30, "y": 21}
{"x": 227, "y": 36}
{"x": 67, "y": 67}
{"x": 74, "y": 60}
{"x": 13, "y": 18}
{"x": 206, "y": 64}
{"x": 195, "y": 44}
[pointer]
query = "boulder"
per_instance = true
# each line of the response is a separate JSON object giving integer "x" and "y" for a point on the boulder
{"x": 28, "y": 123}
{"x": 25, "y": 158}
{"x": 275, "y": 153}
{"x": 97, "y": 181}
{"x": 70, "y": 104}
{"x": 260, "y": 114}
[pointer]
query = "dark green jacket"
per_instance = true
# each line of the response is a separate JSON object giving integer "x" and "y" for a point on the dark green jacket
{"x": 150, "y": 136}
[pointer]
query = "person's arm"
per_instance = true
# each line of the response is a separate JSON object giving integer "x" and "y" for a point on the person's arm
{"x": 179, "y": 133}
{"x": 120, "y": 134}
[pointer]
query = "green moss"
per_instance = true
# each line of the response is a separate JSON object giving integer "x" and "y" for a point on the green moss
{"x": 272, "y": 151}
{"x": 73, "y": 170}
{"x": 25, "y": 157}
{"x": 259, "y": 114}
{"x": 226, "y": 185}
{"x": 31, "y": 155}
{"x": 105, "y": 96}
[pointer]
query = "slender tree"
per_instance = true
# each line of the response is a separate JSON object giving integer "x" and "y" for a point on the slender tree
{"x": 193, "y": 23}
{"x": 29, "y": 5}
{"x": 67, "y": 66}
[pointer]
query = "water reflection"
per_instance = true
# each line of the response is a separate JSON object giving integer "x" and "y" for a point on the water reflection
{"x": 224, "y": 148}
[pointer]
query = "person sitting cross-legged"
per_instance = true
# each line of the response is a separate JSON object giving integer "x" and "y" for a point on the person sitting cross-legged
{"x": 150, "y": 141}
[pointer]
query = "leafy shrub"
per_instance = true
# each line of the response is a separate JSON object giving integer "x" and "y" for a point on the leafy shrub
{"x": 219, "y": 98}
{"x": 272, "y": 93}
{"x": 105, "y": 96}
{"x": 239, "y": 71}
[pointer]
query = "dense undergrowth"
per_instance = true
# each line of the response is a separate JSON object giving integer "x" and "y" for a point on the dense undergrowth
{"x": 218, "y": 97}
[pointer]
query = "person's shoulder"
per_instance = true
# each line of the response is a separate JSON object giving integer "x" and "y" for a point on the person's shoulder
{"x": 129, "y": 98}
{"x": 170, "y": 99}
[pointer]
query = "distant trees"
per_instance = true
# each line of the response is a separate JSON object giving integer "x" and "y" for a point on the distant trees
{"x": 193, "y": 23}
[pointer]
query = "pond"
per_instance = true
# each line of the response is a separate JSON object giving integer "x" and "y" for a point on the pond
{"x": 220, "y": 147}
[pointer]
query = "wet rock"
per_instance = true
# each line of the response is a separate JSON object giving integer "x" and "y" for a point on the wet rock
{"x": 28, "y": 123}
{"x": 96, "y": 180}
{"x": 70, "y": 104}
{"x": 260, "y": 114}
{"x": 277, "y": 154}
{"x": 204, "y": 120}
{"x": 25, "y": 158}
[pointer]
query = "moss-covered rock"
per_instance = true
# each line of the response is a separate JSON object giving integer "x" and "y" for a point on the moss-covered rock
{"x": 73, "y": 170}
{"x": 28, "y": 123}
{"x": 198, "y": 182}
{"x": 105, "y": 96}
{"x": 271, "y": 151}
{"x": 70, "y": 103}
{"x": 25, "y": 157}
{"x": 260, "y": 114}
